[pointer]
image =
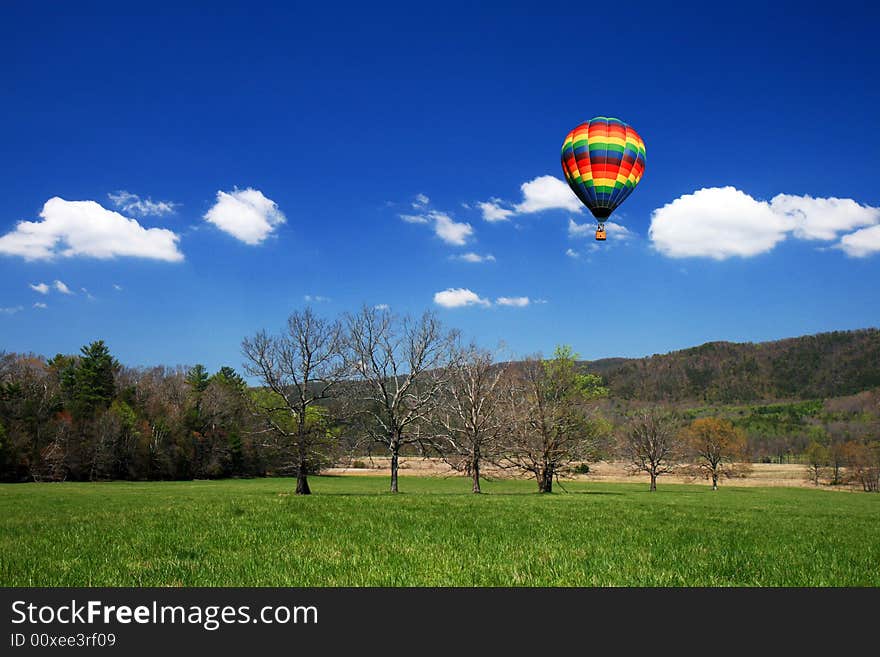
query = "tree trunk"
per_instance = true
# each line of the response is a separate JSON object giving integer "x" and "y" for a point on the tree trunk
{"x": 545, "y": 480}
{"x": 475, "y": 473}
{"x": 714, "y": 481}
{"x": 395, "y": 455}
{"x": 653, "y": 481}
{"x": 302, "y": 482}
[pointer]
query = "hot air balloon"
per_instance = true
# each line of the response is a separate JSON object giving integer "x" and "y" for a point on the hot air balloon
{"x": 603, "y": 160}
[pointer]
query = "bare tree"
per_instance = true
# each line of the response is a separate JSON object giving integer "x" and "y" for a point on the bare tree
{"x": 400, "y": 368}
{"x": 651, "y": 444}
{"x": 817, "y": 457}
{"x": 863, "y": 464}
{"x": 552, "y": 424}
{"x": 299, "y": 367}
{"x": 718, "y": 449}
{"x": 471, "y": 420}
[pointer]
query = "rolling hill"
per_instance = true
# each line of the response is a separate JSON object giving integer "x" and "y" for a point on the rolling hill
{"x": 809, "y": 367}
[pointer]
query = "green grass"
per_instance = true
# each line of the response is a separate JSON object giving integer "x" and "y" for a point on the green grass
{"x": 352, "y": 533}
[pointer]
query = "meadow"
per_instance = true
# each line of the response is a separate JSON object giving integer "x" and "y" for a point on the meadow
{"x": 254, "y": 532}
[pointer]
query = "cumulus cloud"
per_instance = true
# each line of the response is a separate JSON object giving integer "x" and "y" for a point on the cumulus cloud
{"x": 722, "y": 222}
{"x": 517, "y": 302}
{"x": 448, "y": 230}
{"x": 717, "y": 222}
{"x": 382, "y": 306}
{"x": 421, "y": 201}
{"x": 61, "y": 287}
{"x": 539, "y": 194}
{"x": 85, "y": 228}
{"x": 571, "y": 253}
{"x": 475, "y": 257}
{"x": 493, "y": 211}
{"x": 459, "y": 297}
{"x": 861, "y": 243}
{"x": 547, "y": 193}
{"x": 42, "y": 288}
{"x": 823, "y": 218}
{"x": 144, "y": 207}
{"x": 40, "y": 305}
{"x": 246, "y": 214}
{"x": 117, "y": 287}
{"x": 10, "y": 310}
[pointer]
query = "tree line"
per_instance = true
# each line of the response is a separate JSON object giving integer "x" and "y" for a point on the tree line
{"x": 321, "y": 388}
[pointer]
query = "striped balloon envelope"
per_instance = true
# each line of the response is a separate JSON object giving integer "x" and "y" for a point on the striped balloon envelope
{"x": 603, "y": 160}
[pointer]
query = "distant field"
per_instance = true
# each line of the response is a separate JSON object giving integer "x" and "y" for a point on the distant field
{"x": 762, "y": 474}
{"x": 352, "y": 533}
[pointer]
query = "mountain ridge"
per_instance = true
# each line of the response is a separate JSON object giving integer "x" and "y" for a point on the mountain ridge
{"x": 831, "y": 364}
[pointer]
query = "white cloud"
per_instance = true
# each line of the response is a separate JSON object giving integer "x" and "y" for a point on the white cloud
{"x": 382, "y": 306}
{"x": 415, "y": 218}
{"x": 421, "y": 201}
{"x": 493, "y": 211}
{"x": 11, "y": 310}
{"x": 447, "y": 229}
{"x": 722, "y": 222}
{"x": 61, "y": 287}
{"x": 823, "y": 218}
{"x": 459, "y": 297}
{"x": 571, "y": 253}
{"x": 87, "y": 293}
{"x": 450, "y": 231}
{"x": 861, "y": 243}
{"x": 42, "y": 288}
{"x": 475, "y": 257}
{"x": 517, "y": 302}
{"x": 40, "y": 305}
{"x": 547, "y": 193}
{"x": 246, "y": 214}
{"x": 618, "y": 231}
{"x": 85, "y": 228}
{"x": 717, "y": 222}
{"x": 134, "y": 204}
{"x": 539, "y": 194}
{"x": 580, "y": 230}
{"x": 117, "y": 287}
{"x": 576, "y": 230}
{"x": 316, "y": 298}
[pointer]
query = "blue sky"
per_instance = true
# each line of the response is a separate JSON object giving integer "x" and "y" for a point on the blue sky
{"x": 344, "y": 153}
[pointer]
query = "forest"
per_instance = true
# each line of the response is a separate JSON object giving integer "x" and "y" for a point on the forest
{"x": 324, "y": 391}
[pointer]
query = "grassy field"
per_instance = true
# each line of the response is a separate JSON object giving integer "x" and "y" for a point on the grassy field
{"x": 352, "y": 533}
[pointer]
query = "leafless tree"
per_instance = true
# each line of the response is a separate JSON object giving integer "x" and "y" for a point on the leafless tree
{"x": 400, "y": 370}
{"x": 863, "y": 464}
{"x": 552, "y": 424}
{"x": 650, "y": 443}
{"x": 299, "y": 367}
{"x": 471, "y": 419}
{"x": 817, "y": 458}
{"x": 718, "y": 449}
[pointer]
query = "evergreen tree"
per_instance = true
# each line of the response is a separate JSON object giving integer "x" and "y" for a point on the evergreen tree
{"x": 94, "y": 379}
{"x": 197, "y": 378}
